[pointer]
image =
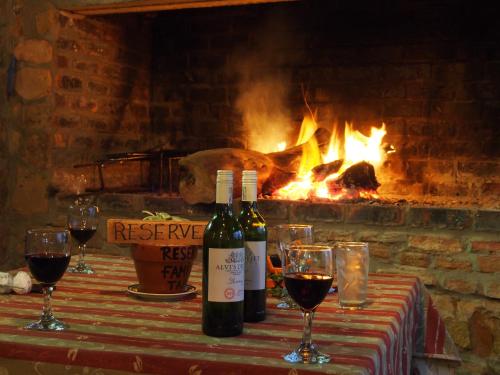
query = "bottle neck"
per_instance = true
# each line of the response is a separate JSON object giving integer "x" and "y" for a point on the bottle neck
{"x": 248, "y": 205}
{"x": 224, "y": 209}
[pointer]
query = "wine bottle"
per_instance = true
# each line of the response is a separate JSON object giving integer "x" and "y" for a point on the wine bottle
{"x": 255, "y": 231}
{"x": 223, "y": 265}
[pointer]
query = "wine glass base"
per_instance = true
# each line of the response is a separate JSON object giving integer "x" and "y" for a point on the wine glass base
{"x": 286, "y": 302}
{"x": 286, "y": 305}
{"x": 282, "y": 305}
{"x": 353, "y": 306}
{"x": 81, "y": 268}
{"x": 51, "y": 325}
{"x": 306, "y": 354}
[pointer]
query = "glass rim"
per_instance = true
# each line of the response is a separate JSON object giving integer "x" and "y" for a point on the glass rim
{"x": 49, "y": 230}
{"x": 351, "y": 244}
{"x": 311, "y": 247}
{"x": 294, "y": 226}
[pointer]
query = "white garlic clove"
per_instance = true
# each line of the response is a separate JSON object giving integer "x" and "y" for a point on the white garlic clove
{"x": 22, "y": 283}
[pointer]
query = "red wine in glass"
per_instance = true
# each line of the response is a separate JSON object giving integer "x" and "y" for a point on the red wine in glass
{"x": 48, "y": 268}
{"x": 47, "y": 255}
{"x": 82, "y": 235}
{"x": 308, "y": 290}
{"x": 83, "y": 217}
{"x": 308, "y": 273}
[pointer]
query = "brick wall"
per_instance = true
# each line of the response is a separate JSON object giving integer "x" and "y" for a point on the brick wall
{"x": 429, "y": 70}
{"x": 101, "y": 94}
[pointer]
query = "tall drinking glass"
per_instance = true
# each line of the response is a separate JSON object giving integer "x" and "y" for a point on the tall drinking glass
{"x": 47, "y": 254}
{"x": 287, "y": 235}
{"x": 83, "y": 217}
{"x": 352, "y": 259}
{"x": 308, "y": 271}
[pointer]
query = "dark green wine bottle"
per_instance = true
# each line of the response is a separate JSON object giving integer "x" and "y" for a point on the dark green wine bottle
{"x": 255, "y": 231}
{"x": 223, "y": 265}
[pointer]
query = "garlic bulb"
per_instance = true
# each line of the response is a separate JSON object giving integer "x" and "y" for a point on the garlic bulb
{"x": 22, "y": 283}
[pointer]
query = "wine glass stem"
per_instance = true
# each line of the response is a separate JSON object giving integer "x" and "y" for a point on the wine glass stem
{"x": 306, "y": 336}
{"x": 81, "y": 256}
{"x": 47, "y": 315}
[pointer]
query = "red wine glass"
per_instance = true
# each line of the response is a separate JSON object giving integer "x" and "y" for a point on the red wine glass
{"x": 308, "y": 271}
{"x": 83, "y": 217}
{"x": 292, "y": 234}
{"x": 47, "y": 254}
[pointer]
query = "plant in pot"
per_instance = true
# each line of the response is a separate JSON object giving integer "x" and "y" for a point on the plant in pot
{"x": 163, "y": 269}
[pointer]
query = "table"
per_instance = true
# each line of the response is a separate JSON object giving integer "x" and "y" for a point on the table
{"x": 114, "y": 333}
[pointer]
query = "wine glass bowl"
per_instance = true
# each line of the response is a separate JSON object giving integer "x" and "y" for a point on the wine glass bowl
{"x": 83, "y": 218}
{"x": 286, "y": 235}
{"x": 308, "y": 272}
{"x": 47, "y": 253}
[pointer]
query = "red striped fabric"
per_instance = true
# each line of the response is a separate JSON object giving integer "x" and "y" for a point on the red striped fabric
{"x": 112, "y": 330}
{"x": 435, "y": 339}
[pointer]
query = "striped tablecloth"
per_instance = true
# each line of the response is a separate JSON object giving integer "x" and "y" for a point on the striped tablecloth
{"x": 111, "y": 332}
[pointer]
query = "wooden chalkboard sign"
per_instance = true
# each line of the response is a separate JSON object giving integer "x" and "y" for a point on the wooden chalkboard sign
{"x": 160, "y": 233}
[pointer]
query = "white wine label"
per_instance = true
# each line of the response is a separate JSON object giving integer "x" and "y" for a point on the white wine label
{"x": 226, "y": 275}
{"x": 255, "y": 265}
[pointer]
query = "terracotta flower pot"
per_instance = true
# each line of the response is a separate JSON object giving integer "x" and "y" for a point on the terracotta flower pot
{"x": 163, "y": 269}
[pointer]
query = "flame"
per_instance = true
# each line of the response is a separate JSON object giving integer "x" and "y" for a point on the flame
{"x": 281, "y": 146}
{"x": 307, "y": 130}
{"x": 354, "y": 148}
{"x": 359, "y": 147}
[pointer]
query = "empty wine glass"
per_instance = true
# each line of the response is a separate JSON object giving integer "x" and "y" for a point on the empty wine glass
{"x": 291, "y": 234}
{"x": 47, "y": 254}
{"x": 308, "y": 271}
{"x": 83, "y": 217}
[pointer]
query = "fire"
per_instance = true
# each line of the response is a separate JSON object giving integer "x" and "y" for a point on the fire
{"x": 359, "y": 147}
{"x": 281, "y": 146}
{"x": 355, "y": 147}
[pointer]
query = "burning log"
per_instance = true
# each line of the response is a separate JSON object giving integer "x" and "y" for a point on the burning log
{"x": 359, "y": 176}
{"x": 322, "y": 171}
{"x": 277, "y": 180}
{"x": 198, "y": 171}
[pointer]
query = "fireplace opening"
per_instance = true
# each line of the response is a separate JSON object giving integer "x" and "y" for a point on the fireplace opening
{"x": 249, "y": 77}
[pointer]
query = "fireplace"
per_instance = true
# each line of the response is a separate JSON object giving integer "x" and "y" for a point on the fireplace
{"x": 198, "y": 79}
{"x": 86, "y": 90}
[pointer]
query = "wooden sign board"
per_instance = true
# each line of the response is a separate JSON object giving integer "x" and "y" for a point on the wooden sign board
{"x": 161, "y": 233}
